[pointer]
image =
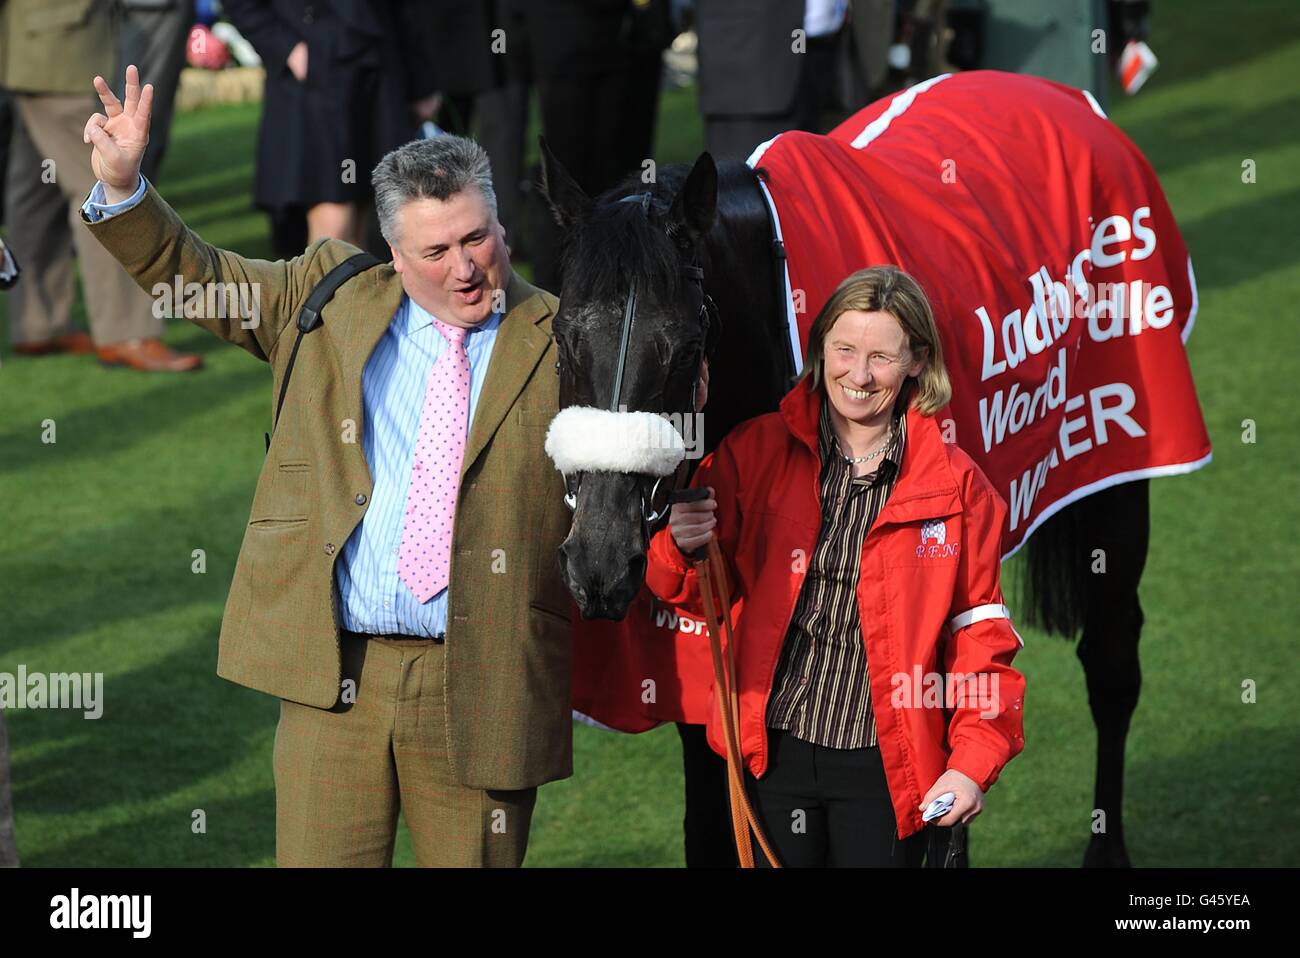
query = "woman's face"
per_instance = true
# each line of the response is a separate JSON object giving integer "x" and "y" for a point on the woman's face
{"x": 866, "y": 360}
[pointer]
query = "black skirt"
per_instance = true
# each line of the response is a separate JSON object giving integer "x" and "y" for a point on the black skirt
{"x": 320, "y": 139}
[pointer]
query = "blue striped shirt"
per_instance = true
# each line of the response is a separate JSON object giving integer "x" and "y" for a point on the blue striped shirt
{"x": 372, "y": 597}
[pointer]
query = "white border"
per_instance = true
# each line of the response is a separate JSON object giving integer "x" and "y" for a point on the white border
{"x": 795, "y": 349}
{"x": 586, "y": 719}
{"x": 1096, "y": 107}
{"x": 759, "y": 151}
{"x": 897, "y": 107}
{"x": 1151, "y": 472}
{"x": 1191, "y": 314}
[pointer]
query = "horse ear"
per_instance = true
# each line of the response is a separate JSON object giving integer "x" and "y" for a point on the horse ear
{"x": 567, "y": 202}
{"x": 696, "y": 203}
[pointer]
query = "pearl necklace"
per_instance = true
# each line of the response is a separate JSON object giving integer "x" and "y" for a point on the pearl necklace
{"x": 871, "y": 455}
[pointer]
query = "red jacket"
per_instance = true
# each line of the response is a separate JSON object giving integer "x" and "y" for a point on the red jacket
{"x": 928, "y": 595}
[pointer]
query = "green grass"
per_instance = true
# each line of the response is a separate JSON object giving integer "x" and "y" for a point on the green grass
{"x": 95, "y": 558}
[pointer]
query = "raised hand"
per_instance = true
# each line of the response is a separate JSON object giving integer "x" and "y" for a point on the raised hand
{"x": 120, "y": 137}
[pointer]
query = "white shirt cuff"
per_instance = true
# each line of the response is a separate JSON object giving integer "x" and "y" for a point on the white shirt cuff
{"x": 98, "y": 208}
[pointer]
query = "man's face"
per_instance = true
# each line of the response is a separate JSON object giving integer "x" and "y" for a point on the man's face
{"x": 452, "y": 256}
{"x": 866, "y": 362}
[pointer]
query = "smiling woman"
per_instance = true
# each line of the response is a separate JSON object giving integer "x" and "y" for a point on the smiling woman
{"x": 874, "y": 338}
{"x": 823, "y": 512}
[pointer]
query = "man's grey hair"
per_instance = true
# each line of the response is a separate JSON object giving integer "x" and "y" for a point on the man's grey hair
{"x": 436, "y": 168}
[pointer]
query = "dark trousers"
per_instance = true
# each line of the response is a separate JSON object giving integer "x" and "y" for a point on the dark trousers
{"x": 153, "y": 37}
{"x": 502, "y": 118}
{"x": 582, "y": 125}
{"x": 828, "y": 807}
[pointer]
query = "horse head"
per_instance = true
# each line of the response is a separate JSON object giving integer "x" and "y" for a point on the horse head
{"x": 631, "y": 333}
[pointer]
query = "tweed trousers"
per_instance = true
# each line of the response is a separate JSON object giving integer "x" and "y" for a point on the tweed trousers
{"x": 343, "y": 774}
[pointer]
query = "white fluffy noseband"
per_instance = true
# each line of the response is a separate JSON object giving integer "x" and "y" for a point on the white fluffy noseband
{"x": 586, "y": 439}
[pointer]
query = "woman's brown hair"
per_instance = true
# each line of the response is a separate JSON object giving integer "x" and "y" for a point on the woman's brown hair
{"x": 887, "y": 289}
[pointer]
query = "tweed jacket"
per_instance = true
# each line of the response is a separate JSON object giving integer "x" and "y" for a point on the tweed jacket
{"x": 55, "y": 46}
{"x": 508, "y": 618}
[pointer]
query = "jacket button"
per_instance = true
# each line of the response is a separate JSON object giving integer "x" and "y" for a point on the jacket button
{"x": 361, "y": 498}
{"x": 329, "y": 548}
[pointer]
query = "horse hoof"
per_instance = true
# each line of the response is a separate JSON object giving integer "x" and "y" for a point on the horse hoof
{"x": 1103, "y": 852}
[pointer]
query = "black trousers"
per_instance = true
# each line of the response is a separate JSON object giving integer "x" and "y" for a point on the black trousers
{"x": 828, "y": 807}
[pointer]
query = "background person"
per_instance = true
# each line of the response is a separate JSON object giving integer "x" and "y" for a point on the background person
{"x": 847, "y": 516}
{"x": 152, "y": 35}
{"x": 47, "y": 47}
{"x": 753, "y": 82}
{"x": 596, "y": 66}
{"x": 346, "y": 82}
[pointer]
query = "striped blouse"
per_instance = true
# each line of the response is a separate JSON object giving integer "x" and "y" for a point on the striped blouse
{"x": 820, "y": 692}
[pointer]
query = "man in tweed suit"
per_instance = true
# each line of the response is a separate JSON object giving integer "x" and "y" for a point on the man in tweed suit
{"x": 447, "y": 701}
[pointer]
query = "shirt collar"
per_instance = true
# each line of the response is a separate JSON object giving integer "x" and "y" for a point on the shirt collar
{"x": 417, "y": 317}
{"x": 893, "y": 453}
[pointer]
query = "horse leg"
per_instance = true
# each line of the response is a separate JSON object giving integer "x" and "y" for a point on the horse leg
{"x": 710, "y": 842}
{"x": 1117, "y": 524}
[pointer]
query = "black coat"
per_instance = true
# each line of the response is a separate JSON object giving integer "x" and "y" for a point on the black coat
{"x": 747, "y": 66}
{"x": 320, "y": 138}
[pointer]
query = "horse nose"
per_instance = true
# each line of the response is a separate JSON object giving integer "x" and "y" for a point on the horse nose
{"x": 600, "y": 593}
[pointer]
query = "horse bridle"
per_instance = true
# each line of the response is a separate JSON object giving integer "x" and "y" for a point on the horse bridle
{"x": 708, "y": 316}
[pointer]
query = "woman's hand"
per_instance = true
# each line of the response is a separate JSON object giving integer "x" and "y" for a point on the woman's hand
{"x": 967, "y": 803}
{"x": 120, "y": 137}
{"x": 691, "y": 523}
{"x": 297, "y": 61}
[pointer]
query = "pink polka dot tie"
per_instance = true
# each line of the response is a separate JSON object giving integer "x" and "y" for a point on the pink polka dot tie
{"x": 424, "y": 561}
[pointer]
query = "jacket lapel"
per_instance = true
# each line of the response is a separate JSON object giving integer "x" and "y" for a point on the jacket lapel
{"x": 359, "y": 323}
{"x": 368, "y": 317}
{"x": 519, "y": 346}
{"x": 926, "y": 487}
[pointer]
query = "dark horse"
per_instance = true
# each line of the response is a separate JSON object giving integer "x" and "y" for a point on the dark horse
{"x": 714, "y": 217}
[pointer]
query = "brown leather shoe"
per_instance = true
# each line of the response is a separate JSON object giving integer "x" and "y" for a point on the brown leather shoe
{"x": 149, "y": 355}
{"x": 77, "y": 342}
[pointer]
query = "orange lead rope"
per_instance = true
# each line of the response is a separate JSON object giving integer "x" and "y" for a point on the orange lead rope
{"x": 743, "y": 818}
